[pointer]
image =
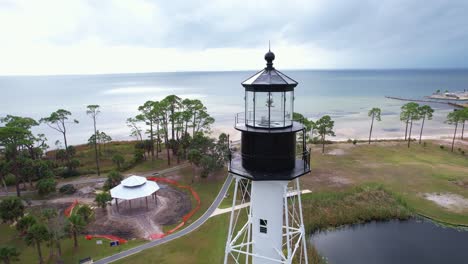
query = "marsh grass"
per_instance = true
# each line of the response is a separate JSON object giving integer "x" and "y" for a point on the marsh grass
{"x": 361, "y": 204}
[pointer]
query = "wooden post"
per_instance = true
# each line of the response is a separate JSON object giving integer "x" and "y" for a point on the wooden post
{"x": 130, "y": 202}
{"x": 146, "y": 199}
{"x": 117, "y": 203}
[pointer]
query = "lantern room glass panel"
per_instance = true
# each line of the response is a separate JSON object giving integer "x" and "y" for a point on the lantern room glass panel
{"x": 288, "y": 108}
{"x": 261, "y": 117}
{"x": 268, "y": 109}
{"x": 277, "y": 109}
{"x": 249, "y": 108}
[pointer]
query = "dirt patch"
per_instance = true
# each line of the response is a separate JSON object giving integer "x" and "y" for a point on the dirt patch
{"x": 453, "y": 202}
{"x": 336, "y": 152}
{"x": 461, "y": 183}
{"x": 104, "y": 225}
{"x": 178, "y": 205}
{"x": 134, "y": 220}
{"x": 323, "y": 177}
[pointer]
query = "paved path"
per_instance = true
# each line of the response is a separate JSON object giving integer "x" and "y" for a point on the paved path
{"x": 200, "y": 221}
{"x": 103, "y": 179}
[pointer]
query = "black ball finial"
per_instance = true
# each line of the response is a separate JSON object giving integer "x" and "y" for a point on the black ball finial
{"x": 269, "y": 57}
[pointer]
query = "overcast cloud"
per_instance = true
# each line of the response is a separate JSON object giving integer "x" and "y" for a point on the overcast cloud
{"x": 56, "y": 37}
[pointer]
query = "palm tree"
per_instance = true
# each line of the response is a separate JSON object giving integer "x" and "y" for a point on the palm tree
{"x": 36, "y": 234}
{"x": 75, "y": 225}
{"x": 102, "y": 199}
{"x": 425, "y": 111}
{"x": 453, "y": 118}
{"x": 25, "y": 223}
{"x": 8, "y": 253}
{"x": 55, "y": 224}
{"x": 113, "y": 179}
{"x": 375, "y": 114}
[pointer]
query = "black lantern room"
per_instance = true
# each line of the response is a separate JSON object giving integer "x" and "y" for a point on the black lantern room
{"x": 269, "y": 149}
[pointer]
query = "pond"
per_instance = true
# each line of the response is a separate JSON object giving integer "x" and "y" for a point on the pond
{"x": 412, "y": 241}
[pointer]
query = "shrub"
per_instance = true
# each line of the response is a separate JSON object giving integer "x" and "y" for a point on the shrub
{"x": 69, "y": 173}
{"x": 138, "y": 155}
{"x": 102, "y": 199}
{"x": 11, "y": 209}
{"x": 349, "y": 140}
{"x": 118, "y": 160}
{"x": 354, "y": 141}
{"x": 46, "y": 186}
{"x": 113, "y": 179}
{"x": 10, "y": 179}
{"x": 441, "y": 147}
{"x": 67, "y": 189}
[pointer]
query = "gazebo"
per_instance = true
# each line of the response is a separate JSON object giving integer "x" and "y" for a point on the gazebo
{"x": 134, "y": 187}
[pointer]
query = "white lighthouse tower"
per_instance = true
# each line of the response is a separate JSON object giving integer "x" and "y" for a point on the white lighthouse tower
{"x": 266, "y": 224}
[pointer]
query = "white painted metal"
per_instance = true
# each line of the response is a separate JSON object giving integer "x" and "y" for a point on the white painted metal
{"x": 271, "y": 201}
{"x": 267, "y": 204}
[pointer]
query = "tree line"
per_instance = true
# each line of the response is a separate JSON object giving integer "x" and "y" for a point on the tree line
{"x": 173, "y": 124}
{"x": 410, "y": 113}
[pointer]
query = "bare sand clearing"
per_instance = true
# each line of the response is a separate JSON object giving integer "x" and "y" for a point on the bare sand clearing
{"x": 453, "y": 202}
{"x": 336, "y": 152}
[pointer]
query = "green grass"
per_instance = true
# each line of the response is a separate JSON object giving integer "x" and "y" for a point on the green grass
{"x": 407, "y": 172}
{"x": 207, "y": 189}
{"x": 324, "y": 210}
{"x": 86, "y": 155}
{"x": 382, "y": 181}
{"x": 205, "y": 245}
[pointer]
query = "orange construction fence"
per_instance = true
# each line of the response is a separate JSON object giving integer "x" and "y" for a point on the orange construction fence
{"x": 70, "y": 208}
{"x": 186, "y": 217}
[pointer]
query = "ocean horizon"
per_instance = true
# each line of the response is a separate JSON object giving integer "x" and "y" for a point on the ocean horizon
{"x": 346, "y": 95}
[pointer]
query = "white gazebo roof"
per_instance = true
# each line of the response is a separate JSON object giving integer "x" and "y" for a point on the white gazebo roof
{"x": 134, "y": 187}
{"x": 133, "y": 181}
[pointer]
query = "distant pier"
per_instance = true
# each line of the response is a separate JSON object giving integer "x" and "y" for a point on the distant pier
{"x": 459, "y": 105}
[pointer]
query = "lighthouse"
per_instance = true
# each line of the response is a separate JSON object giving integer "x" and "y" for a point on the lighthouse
{"x": 266, "y": 224}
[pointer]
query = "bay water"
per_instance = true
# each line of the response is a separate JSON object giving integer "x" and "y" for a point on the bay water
{"x": 345, "y": 95}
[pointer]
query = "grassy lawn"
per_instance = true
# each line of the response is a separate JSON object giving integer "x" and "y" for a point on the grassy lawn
{"x": 376, "y": 182}
{"x": 410, "y": 173}
{"x": 207, "y": 189}
{"x": 86, "y": 155}
{"x": 205, "y": 245}
{"x": 363, "y": 182}
{"x": 322, "y": 209}
{"x": 86, "y": 248}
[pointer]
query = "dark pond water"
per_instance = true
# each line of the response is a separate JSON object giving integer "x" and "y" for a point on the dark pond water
{"x": 413, "y": 241}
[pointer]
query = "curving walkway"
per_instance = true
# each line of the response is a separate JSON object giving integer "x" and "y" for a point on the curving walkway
{"x": 196, "y": 224}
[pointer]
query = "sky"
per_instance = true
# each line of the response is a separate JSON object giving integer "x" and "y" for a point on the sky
{"x": 94, "y": 37}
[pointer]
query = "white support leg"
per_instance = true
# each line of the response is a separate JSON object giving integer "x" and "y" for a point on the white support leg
{"x": 302, "y": 228}
{"x": 228, "y": 242}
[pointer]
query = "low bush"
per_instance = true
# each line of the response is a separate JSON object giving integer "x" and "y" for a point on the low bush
{"x": 10, "y": 180}
{"x": 67, "y": 189}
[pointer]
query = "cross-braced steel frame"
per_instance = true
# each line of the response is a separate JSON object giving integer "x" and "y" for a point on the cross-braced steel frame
{"x": 239, "y": 243}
